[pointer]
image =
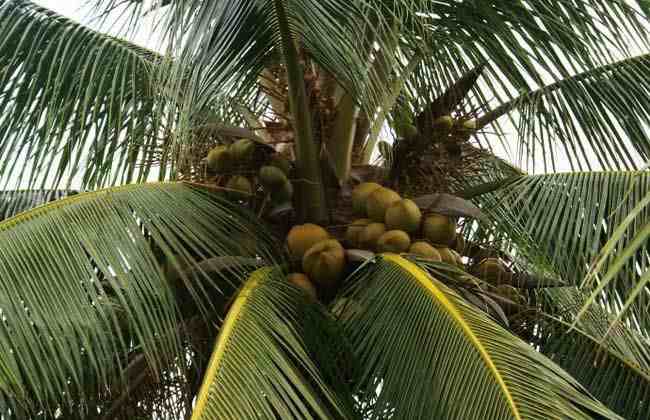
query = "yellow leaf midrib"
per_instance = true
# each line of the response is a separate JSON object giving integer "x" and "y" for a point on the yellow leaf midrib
{"x": 222, "y": 341}
{"x": 424, "y": 280}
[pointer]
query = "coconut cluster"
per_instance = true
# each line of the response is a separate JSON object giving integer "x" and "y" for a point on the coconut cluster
{"x": 234, "y": 162}
{"x": 442, "y": 127}
{"x": 321, "y": 257}
{"x": 395, "y": 224}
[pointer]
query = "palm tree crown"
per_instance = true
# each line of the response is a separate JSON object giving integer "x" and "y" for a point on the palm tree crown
{"x": 331, "y": 209}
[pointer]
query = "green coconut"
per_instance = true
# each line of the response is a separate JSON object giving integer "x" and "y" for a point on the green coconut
{"x": 272, "y": 177}
{"x": 242, "y": 150}
{"x": 239, "y": 187}
{"x": 447, "y": 256}
{"x": 403, "y": 215}
{"x": 396, "y": 241}
{"x": 370, "y": 235}
{"x": 443, "y": 123}
{"x": 303, "y": 237}
{"x": 302, "y": 281}
{"x": 492, "y": 270}
{"x": 219, "y": 159}
{"x": 439, "y": 229}
{"x": 379, "y": 201}
{"x": 281, "y": 162}
{"x": 324, "y": 263}
{"x": 424, "y": 249}
{"x": 360, "y": 195}
{"x": 469, "y": 125}
{"x": 283, "y": 194}
{"x": 354, "y": 230}
{"x": 408, "y": 131}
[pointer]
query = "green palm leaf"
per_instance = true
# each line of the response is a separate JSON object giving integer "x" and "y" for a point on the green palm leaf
{"x": 416, "y": 341}
{"x": 595, "y": 119}
{"x": 276, "y": 357}
{"x": 616, "y": 370}
{"x": 546, "y": 215}
{"x": 75, "y": 104}
{"x": 71, "y": 326}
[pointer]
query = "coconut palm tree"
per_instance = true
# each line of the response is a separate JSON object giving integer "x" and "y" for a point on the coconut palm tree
{"x": 216, "y": 264}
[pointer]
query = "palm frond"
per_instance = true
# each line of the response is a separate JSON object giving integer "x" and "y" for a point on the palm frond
{"x": 14, "y": 202}
{"x": 616, "y": 370}
{"x": 528, "y": 48}
{"x": 415, "y": 341}
{"x": 277, "y": 356}
{"x": 549, "y": 215}
{"x": 76, "y": 105}
{"x": 594, "y": 119}
{"x": 71, "y": 328}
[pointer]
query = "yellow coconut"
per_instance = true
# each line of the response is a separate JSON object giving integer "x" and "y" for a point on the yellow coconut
{"x": 303, "y": 237}
{"x": 239, "y": 187}
{"x": 302, "y": 281}
{"x": 379, "y": 201}
{"x": 219, "y": 159}
{"x": 324, "y": 263}
{"x": 492, "y": 270}
{"x": 446, "y": 255}
{"x": 424, "y": 249}
{"x": 370, "y": 234}
{"x": 272, "y": 177}
{"x": 283, "y": 194}
{"x": 396, "y": 241}
{"x": 403, "y": 215}
{"x": 354, "y": 230}
{"x": 360, "y": 195}
{"x": 242, "y": 150}
{"x": 439, "y": 229}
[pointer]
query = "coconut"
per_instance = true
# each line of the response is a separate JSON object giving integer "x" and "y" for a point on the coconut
{"x": 302, "y": 281}
{"x": 360, "y": 195}
{"x": 219, "y": 159}
{"x": 242, "y": 150}
{"x": 492, "y": 270}
{"x": 396, "y": 241}
{"x": 469, "y": 125}
{"x": 409, "y": 131}
{"x": 324, "y": 263}
{"x": 281, "y": 162}
{"x": 283, "y": 194}
{"x": 425, "y": 250}
{"x": 239, "y": 187}
{"x": 379, "y": 201}
{"x": 272, "y": 178}
{"x": 439, "y": 229}
{"x": 446, "y": 255}
{"x": 370, "y": 234}
{"x": 403, "y": 215}
{"x": 303, "y": 237}
{"x": 444, "y": 123}
{"x": 354, "y": 230}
